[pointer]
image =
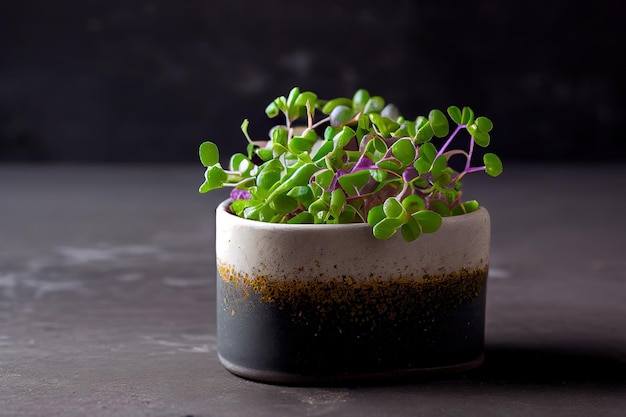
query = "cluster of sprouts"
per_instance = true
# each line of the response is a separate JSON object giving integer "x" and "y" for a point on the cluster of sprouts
{"x": 350, "y": 160}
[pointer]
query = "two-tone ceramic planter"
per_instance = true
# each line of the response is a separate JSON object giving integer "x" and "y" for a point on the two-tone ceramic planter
{"x": 301, "y": 304}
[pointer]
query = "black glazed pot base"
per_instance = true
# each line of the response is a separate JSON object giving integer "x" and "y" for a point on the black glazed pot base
{"x": 291, "y": 379}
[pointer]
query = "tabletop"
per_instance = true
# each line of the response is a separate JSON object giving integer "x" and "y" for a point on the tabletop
{"x": 107, "y": 288}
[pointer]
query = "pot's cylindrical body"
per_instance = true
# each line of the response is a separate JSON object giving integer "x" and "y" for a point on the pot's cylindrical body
{"x": 321, "y": 303}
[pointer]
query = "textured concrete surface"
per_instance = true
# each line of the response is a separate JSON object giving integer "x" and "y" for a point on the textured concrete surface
{"x": 107, "y": 301}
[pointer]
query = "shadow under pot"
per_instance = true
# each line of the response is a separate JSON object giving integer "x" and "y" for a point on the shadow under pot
{"x": 311, "y": 304}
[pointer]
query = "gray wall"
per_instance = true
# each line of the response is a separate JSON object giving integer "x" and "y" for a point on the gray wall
{"x": 147, "y": 81}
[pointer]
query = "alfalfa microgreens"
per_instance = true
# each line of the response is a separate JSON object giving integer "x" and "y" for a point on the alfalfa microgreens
{"x": 359, "y": 161}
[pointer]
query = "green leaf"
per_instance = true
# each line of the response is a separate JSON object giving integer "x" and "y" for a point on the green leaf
{"x": 245, "y": 168}
{"x": 209, "y": 154}
{"x": 443, "y": 181}
{"x": 310, "y": 136}
{"x": 278, "y": 150}
{"x": 390, "y": 111}
{"x": 424, "y": 133}
{"x": 214, "y": 177}
{"x": 281, "y": 103}
{"x": 302, "y": 218}
{"x": 484, "y": 124}
{"x": 427, "y": 151}
{"x": 410, "y": 128}
{"x": 410, "y": 230}
{"x": 324, "y": 178}
{"x": 293, "y": 110}
{"x": 244, "y": 129}
{"x": 374, "y": 105}
{"x": 420, "y": 121}
{"x": 283, "y": 204}
{"x": 471, "y": 205}
{"x": 239, "y": 162}
{"x": 375, "y": 215}
{"x": 263, "y": 213}
{"x": 330, "y": 132}
{"x": 293, "y": 96}
{"x": 341, "y": 115}
{"x": 235, "y": 160}
{"x": 340, "y": 101}
{"x": 428, "y": 220}
{"x": 337, "y": 201}
{"x": 279, "y": 135}
{"x": 364, "y": 123}
{"x": 390, "y": 165}
{"x": 352, "y": 156}
{"x": 439, "y": 165}
{"x": 301, "y": 176}
{"x": 251, "y": 212}
{"x": 413, "y": 203}
{"x": 238, "y": 206}
{"x": 404, "y": 151}
{"x": 386, "y": 228}
{"x": 250, "y": 150}
{"x": 467, "y": 116}
{"x": 269, "y": 174}
{"x": 298, "y": 145}
{"x": 376, "y": 148}
{"x": 422, "y": 166}
{"x": 319, "y": 209}
{"x": 439, "y": 123}
{"x": 342, "y": 138}
{"x": 265, "y": 154}
{"x": 401, "y": 132}
{"x": 493, "y": 164}
{"x": 440, "y": 207}
{"x": 307, "y": 97}
{"x": 481, "y": 138}
{"x": 455, "y": 114}
{"x": 335, "y": 159}
{"x": 272, "y": 110}
{"x": 324, "y": 150}
{"x": 420, "y": 182}
{"x": 348, "y": 215}
{"x": 360, "y": 99}
{"x": 379, "y": 123}
{"x": 353, "y": 182}
{"x": 384, "y": 124}
{"x": 302, "y": 193}
{"x": 378, "y": 175}
{"x": 393, "y": 208}
{"x": 458, "y": 210}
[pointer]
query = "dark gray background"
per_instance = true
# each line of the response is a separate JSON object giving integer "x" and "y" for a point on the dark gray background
{"x": 147, "y": 81}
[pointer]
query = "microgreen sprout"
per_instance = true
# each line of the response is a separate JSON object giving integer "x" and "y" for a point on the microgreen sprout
{"x": 353, "y": 160}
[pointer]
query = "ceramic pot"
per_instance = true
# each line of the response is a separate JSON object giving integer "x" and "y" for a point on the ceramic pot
{"x": 301, "y": 304}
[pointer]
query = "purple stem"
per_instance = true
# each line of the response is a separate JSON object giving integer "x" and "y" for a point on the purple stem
{"x": 445, "y": 145}
{"x": 469, "y": 154}
{"x": 409, "y": 174}
{"x": 475, "y": 169}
